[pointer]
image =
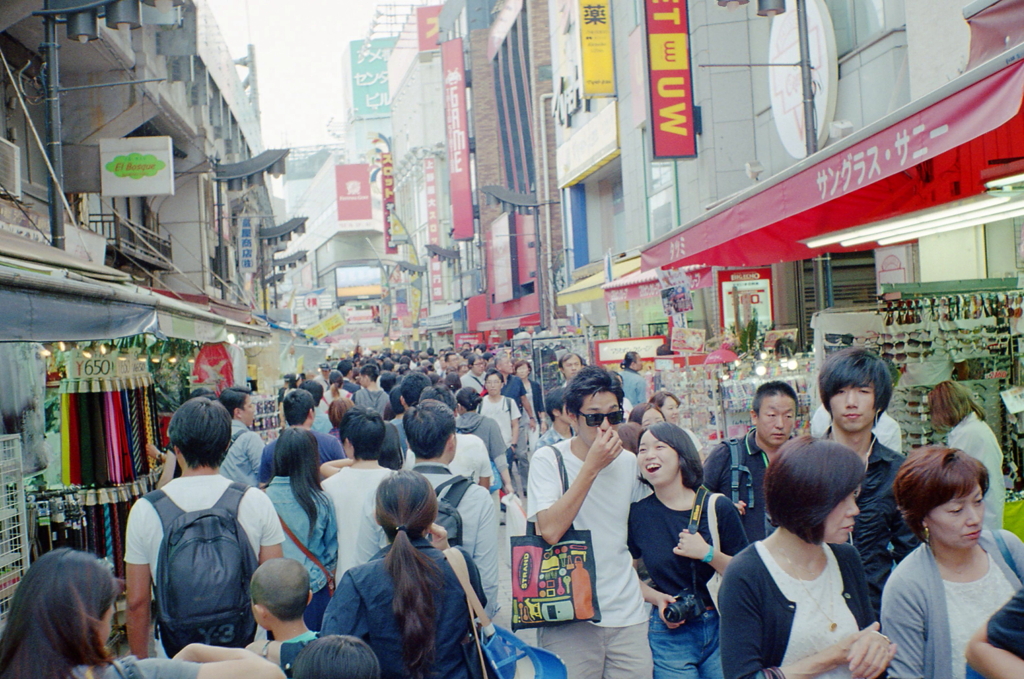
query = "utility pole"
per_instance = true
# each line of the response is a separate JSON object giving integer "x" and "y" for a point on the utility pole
{"x": 53, "y": 129}
{"x": 810, "y": 124}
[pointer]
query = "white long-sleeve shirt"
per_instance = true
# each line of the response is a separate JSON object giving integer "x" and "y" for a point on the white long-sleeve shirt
{"x": 976, "y": 438}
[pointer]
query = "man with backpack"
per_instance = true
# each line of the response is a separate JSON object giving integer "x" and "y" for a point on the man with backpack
{"x": 736, "y": 468}
{"x": 465, "y": 509}
{"x": 199, "y": 539}
{"x": 242, "y": 462}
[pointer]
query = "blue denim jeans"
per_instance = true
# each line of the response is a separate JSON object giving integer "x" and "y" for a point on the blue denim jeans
{"x": 686, "y": 652}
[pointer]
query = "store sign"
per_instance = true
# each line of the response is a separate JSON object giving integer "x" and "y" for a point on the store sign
{"x": 113, "y": 365}
{"x": 354, "y": 315}
{"x": 460, "y": 186}
{"x": 137, "y": 166}
{"x": 894, "y": 264}
{"x": 596, "y": 48}
{"x": 370, "y": 97}
{"x": 589, "y": 148}
{"x": 353, "y": 192}
{"x": 670, "y": 81}
{"x": 430, "y": 186}
{"x": 784, "y": 81}
{"x": 428, "y": 27}
{"x": 745, "y": 294}
{"x": 501, "y": 258}
{"x": 607, "y": 352}
{"x": 642, "y": 291}
{"x": 436, "y": 280}
{"x": 327, "y": 326}
{"x": 470, "y": 338}
{"x": 387, "y": 174}
{"x": 246, "y": 247}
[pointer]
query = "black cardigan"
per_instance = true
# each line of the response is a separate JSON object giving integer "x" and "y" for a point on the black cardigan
{"x": 757, "y": 618}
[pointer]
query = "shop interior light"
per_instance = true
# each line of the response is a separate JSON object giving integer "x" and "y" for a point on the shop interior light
{"x": 1005, "y": 182}
{"x": 761, "y": 370}
{"x": 122, "y": 358}
{"x": 884, "y": 227}
{"x": 103, "y": 349}
{"x": 62, "y": 346}
{"x": 1018, "y": 211}
{"x": 994, "y": 213}
{"x": 87, "y": 354}
{"x": 232, "y": 339}
{"x": 142, "y": 359}
{"x": 172, "y": 359}
{"x": 764, "y": 355}
{"x": 44, "y": 352}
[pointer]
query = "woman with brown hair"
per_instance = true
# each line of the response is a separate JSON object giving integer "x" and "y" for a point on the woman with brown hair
{"x": 407, "y": 603}
{"x": 646, "y": 414}
{"x": 668, "y": 404}
{"x": 953, "y": 409}
{"x": 61, "y": 617}
{"x": 946, "y": 589}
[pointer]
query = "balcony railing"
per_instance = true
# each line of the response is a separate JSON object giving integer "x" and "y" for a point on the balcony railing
{"x": 134, "y": 241}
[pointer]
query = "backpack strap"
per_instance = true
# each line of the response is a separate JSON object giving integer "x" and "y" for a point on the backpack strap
{"x": 456, "y": 491}
{"x": 232, "y": 497}
{"x": 237, "y": 435}
{"x": 165, "y": 507}
{"x": 444, "y": 490}
{"x": 735, "y": 469}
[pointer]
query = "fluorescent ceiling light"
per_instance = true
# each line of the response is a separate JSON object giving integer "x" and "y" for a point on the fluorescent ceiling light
{"x": 1005, "y": 181}
{"x": 1018, "y": 212}
{"x": 949, "y": 210}
{"x": 990, "y": 213}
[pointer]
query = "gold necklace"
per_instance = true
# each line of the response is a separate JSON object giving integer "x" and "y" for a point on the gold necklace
{"x": 828, "y": 585}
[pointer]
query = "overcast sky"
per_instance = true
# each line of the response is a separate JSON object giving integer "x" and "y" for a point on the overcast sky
{"x": 299, "y": 48}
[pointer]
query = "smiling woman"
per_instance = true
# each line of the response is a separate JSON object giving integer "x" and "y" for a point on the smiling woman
{"x": 675, "y": 522}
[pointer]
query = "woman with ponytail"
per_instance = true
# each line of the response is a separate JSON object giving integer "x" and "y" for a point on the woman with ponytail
{"x": 407, "y": 603}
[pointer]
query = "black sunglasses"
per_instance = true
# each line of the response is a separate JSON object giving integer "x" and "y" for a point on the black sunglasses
{"x": 595, "y": 419}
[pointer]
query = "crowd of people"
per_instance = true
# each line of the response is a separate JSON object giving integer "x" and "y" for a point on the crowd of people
{"x": 325, "y": 553}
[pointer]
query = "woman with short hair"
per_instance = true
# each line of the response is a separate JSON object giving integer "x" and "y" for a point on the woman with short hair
{"x": 646, "y": 414}
{"x": 796, "y": 604}
{"x": 950, "y": 585}
{"x": 953, "y": 409}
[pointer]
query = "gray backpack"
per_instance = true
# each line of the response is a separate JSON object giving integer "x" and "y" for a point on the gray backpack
{"x": 203, "y": 574}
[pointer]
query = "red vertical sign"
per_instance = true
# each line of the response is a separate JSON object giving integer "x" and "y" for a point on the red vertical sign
{"x": 459, "y": 181}
{"x": 353, "y": 191}
{"x": 427, "y": 27}
{"x": 436, "y": 280}
{"x": 387, "y": 174}
{"x": 670, "y": 81}
{"x": 430, "y": 184}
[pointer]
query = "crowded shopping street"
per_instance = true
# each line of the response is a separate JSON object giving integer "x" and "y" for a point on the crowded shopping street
{"x": 512, "y": 339}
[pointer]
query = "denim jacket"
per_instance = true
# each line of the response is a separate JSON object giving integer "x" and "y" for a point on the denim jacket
{"x": 324, "y": 542}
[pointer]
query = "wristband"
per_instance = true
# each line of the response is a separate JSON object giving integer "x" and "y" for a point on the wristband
{"x": 710, "y": 555}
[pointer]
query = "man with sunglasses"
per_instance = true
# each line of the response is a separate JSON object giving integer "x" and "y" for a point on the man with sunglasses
{"x": 602, "y": 484}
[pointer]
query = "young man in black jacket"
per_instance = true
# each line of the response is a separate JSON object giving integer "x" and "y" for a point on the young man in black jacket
{"x": 855, "y": 387}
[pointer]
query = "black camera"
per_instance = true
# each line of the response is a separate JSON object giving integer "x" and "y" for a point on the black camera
{"x": 686, "y": 607}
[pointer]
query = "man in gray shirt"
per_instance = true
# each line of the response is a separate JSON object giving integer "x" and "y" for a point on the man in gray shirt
{"x": 242, "y": 462}
{"x": 370, "y": 396}
{"x": 430, "y": 431}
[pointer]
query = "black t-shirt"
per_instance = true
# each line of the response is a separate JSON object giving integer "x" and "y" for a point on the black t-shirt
{"x": 1004, "y": 628}
{"x": 515, "y": 390}
{"x": 654, "y": 531}
{"x": 718, "y": 479}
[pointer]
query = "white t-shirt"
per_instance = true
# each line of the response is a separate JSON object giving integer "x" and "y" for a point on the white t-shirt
{"x": 819, "y": 604}
{"x": 471, "y": 458}
{"x": 503, "y": 412}
{"x": 349, "y": 490}
{"x": 145, "y": 533}
{"x": 976, "y": 438}
{"x": 605, "y": 513}
{"x": 969, "y": 605}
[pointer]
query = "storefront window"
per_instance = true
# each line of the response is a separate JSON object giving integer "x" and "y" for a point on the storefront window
{"x": 654, "y": 329}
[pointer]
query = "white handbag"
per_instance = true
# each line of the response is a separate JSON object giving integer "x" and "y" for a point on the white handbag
{"x": 716, "y": 580}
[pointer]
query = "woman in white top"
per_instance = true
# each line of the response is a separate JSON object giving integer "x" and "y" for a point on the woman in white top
{"x": 796, "y": 604}
{"x": 953, "y": 409}
{"x": 501, "y": 409}
{"x": 946, "y": 589}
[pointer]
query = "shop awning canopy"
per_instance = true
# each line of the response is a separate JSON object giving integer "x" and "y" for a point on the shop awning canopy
{"x": 284, "y": 231}
{"x": 589, "y": 289}
{"x": 261, "y": 163}
{"x": 510, "y": 323}
{"x": 927, "y": 153}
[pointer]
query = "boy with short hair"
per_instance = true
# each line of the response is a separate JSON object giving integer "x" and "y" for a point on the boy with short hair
{"x": 280, "y": 592}
{"x": 561, "y": 425}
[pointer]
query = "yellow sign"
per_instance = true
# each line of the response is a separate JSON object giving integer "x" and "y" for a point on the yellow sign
{"x": 596, "y": 48}
{"x": 325, "y": 327}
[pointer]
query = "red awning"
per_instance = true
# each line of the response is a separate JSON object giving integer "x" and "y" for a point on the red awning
{"x": 510, "y": 323}
{"x": 927, "y": 153}
{"x": 644, "y": 284}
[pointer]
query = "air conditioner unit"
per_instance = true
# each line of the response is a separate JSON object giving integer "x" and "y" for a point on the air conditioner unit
{"x": 10, "y": 169}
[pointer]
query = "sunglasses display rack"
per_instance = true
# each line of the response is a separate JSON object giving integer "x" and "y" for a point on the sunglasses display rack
{"x": 14, "y": 540}
{"x": 268, "y": 419}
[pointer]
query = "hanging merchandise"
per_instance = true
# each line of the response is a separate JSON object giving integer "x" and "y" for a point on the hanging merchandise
{"x": 22, "y": 399}
{"x": 267, "y": 420}
{"x": 14, "y": 541}
{"x": 213, "y": 367}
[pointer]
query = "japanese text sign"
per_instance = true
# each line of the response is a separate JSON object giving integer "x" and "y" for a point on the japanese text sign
{"x": 596, "y": 48}
{"x": 460, "y": 183}
{"x": 427, "y": 27}
{"x": 246, "y": 247}
{"x": 387, "y": 174}
{"x": 430, "y": 186}
{"x": 670, "y": 79}
{"x": 353, "y": 190}
{"x": 370, "y": 98}
{"x": 436, "y": 280}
